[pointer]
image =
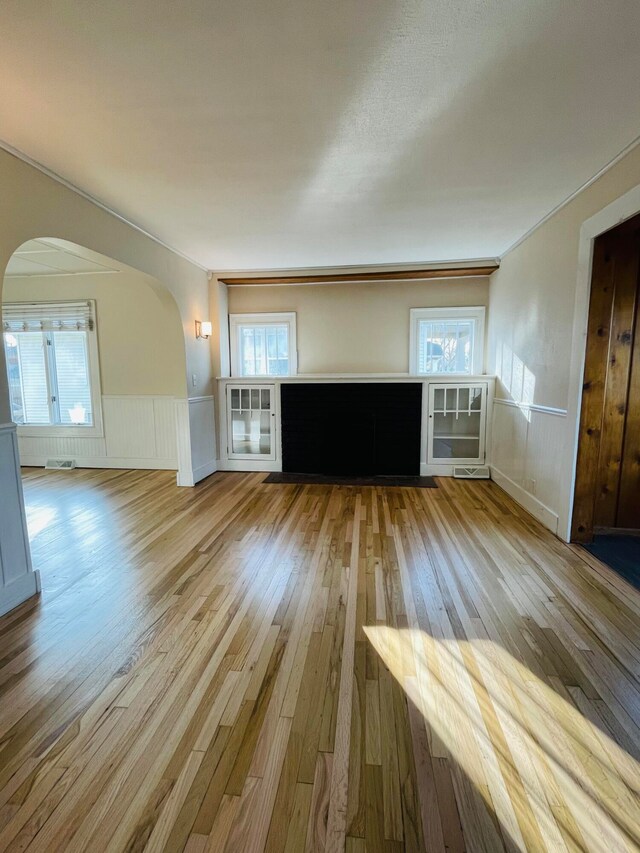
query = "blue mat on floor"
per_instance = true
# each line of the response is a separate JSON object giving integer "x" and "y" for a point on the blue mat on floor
{"x": 622, "y": 553}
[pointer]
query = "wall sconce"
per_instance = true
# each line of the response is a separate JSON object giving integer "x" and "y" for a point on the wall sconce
{"x": 203, "y": 329}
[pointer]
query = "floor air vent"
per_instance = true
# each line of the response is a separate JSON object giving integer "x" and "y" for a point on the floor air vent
{"x": 60, "y": 464}
{"x": 475, "y": 472}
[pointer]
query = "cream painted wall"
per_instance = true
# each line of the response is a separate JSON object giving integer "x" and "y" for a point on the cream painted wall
{"x": 359, "y": 327}
{"x": 530, "y": 348}
{"x": 532, "y": 294}
{"x": 141, "y": 345}
{"x": 34, "y": 205}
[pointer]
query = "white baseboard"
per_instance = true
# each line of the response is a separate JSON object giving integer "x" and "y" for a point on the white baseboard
{"x": 248, "y": 465}
{"x": 104, "y": 462}
{"x": 205, "y": 470}
{"x": 537, "y": 509}
{"x": 190, "y": 478}
{"x": 19, "y": 591}
{"x": 427, "y": 470}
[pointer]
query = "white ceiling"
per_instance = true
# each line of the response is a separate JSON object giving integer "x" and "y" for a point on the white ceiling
{"x": 292, "y": 133}
{"x": 56, "y": 257}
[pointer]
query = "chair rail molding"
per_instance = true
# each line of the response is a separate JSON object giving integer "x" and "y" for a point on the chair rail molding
{"x": 18, "y": 580}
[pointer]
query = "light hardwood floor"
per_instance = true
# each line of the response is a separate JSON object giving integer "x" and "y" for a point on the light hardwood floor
{"x": 249, "y": 667}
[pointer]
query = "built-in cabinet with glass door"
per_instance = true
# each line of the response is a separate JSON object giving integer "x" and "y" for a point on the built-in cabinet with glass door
{"x": 456, "y": 423}
{"x": 251, "y": 422}
{"x": 454, "y": 427}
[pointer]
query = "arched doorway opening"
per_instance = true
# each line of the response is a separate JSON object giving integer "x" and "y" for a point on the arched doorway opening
{"x": 94, "y": 358}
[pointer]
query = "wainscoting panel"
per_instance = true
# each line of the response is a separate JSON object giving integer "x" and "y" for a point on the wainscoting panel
{"x": 165, "y": 427}
{"x": 527, "y": 456}
{"x": 196, "y": 439}
{"x": 129, "y": 426}
{"x": 37, "y": 450}
{"x": 139, "y": 432}
{"x": 202, "y": 423}
{"x": 509, "y": 440}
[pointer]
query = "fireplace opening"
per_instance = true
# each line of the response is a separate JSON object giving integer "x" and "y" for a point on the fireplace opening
{"x": 359, "y": 428}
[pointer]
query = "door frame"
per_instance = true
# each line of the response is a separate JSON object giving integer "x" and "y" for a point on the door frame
{"x": 623, "y": 208}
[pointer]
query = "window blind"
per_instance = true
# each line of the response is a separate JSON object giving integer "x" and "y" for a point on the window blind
{"x": 48, "y": 316}
{"x": 33, "y": 379}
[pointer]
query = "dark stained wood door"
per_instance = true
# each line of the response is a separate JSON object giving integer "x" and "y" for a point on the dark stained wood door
{"x": 629, "y": 496}
{"x": 607, "y": 494}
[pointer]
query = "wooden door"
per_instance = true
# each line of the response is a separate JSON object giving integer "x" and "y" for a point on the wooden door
{"x": 607, "y": 494}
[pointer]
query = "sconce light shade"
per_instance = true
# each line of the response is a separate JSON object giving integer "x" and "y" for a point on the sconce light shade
{"x": 203, "y": 328}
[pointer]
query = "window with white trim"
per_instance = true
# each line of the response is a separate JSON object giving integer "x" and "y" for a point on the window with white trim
{"x": 447, "y": 341}
{"x": 52, "y": 365}
{"x": 263, "y": 344}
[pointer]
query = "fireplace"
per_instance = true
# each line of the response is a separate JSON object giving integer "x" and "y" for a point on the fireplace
{"x": 355, "y": 428}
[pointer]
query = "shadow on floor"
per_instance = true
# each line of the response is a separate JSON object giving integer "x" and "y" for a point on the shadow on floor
{"x": 621, "y": 553}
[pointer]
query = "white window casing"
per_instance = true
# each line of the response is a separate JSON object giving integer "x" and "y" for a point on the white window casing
{"x": 59, "y": 367}
{"x": 446, "y": 341}
{"x": 250, "y": 336}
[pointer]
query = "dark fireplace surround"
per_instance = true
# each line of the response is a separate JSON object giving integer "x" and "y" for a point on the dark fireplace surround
{"x": 351, "y": 428}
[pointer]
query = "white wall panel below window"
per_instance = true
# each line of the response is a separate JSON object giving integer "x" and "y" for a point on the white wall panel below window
{"x": 129, "y": 426}
{"x": 140, "y": 432}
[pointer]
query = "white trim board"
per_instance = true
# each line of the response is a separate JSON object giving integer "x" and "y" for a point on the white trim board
{"x": 191, "y": 478}
{"x": 531, "y": 407}
{"x": 534, "y": 507}
{"x": 18, "y": 580}
{"x": 259, "y": 319}
{"x": 477, "y": 314}
{"x": 131, "y": 463}
{"x": 19, "y": 591}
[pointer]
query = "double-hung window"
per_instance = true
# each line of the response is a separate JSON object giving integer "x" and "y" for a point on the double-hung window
{"x": 447, "y": 341}
{"x": 263, "y": 344}
{"x": 52, "y": 366}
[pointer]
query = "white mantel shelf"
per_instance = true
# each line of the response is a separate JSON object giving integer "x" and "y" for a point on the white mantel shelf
{"x": 455, "y": 378}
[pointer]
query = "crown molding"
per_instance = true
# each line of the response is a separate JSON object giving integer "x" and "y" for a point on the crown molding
{"x": 626, "y": 150}
{"x": 20, "y": 155}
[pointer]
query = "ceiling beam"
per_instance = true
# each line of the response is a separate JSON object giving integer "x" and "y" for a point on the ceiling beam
{"x": 394, "y": 275}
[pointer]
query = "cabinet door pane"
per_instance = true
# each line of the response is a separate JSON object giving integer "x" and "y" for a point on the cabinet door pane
{"x": 251, "y": 432}
{"x": 456, "y": 448}
{"x": 454, "y": 424}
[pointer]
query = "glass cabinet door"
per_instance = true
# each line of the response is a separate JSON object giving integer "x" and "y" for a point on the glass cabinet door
{"x": 456, "y": 423}
{"x": 250, "y": 421}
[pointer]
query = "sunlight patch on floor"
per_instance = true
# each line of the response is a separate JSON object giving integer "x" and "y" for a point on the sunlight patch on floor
{"x": 545, "y": 769}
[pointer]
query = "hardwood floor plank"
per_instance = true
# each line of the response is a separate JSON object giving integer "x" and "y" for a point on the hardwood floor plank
{"x": 252, "y": 667}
